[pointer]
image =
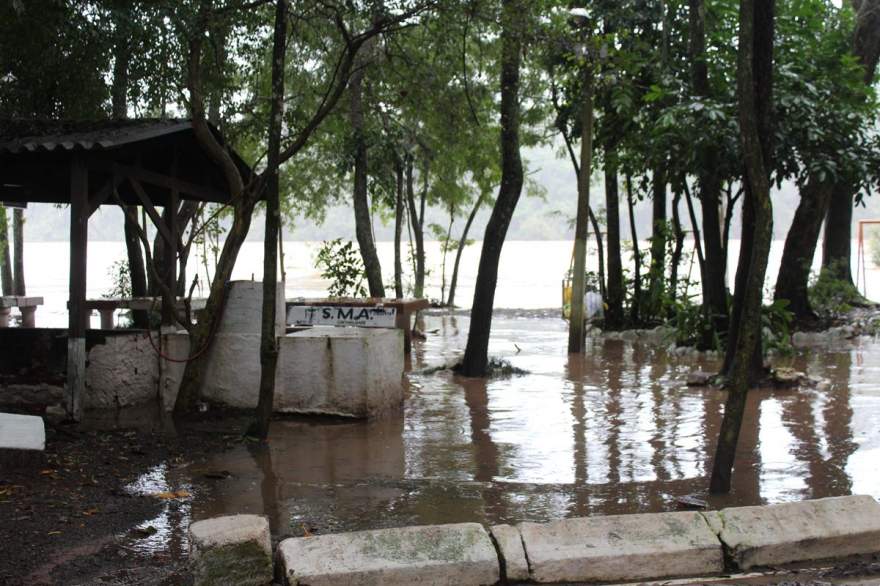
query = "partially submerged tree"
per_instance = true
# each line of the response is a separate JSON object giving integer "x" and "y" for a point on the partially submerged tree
{"x": 514, "y": 14}
{"x": 754, "y": 92}
{"x": 330, "y": 74}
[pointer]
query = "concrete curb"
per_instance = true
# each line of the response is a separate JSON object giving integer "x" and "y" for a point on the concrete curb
{"x": 798, "y": 532}
{"x": 617, "y": 548}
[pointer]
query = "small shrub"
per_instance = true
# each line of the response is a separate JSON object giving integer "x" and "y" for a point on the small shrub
{"x": 341, "y": 264}
{"x": 830, "y": 296}
{"x": 120, "y": 279}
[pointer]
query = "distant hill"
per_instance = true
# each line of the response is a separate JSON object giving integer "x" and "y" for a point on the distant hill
{"x": 536, "y": 218}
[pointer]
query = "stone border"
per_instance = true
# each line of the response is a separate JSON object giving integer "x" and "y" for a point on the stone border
{"x": 615, "y": 548}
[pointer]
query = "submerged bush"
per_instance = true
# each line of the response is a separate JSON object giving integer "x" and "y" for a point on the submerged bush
{"x": 831, "y": 296}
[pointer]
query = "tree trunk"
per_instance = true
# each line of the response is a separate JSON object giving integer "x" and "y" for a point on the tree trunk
{"x": 18, "y": 251}
{"x": 614, "y": 296}
{"x": 800, "y": 247}
{"x": 187, "y": 216}
{"x": 362, "y": 219}
{"x": 635, "y": 308}
{"x": 837, "y": 247}
{"x": 712, "y": 271}
{"x": 576, "y": 333}
{"x": 754, "y": 88}
{"x": 418, "y": 227}
{"x": 8, "y": 284}
{"x": 678, "y": 235}
{"x": 119, "y": 97}
{"x": 445, "y": 246}
{"x": 398, "y": 229}
{"x": 268, "y": 335}
{"x": 837, "y": 243}
{"x": 462, "y": 242}
{"x": 476, "y": 353}
{"x": 658, "y": 243}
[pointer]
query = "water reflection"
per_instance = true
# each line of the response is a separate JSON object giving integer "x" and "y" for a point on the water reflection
{"x": 613, "y": 431}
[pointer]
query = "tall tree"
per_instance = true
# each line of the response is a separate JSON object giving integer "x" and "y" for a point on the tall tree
{"x": 476, "y": 355}
{"x": 576, "y": 340}
{"x": 124, "y": 26}
{"x": 615, "y": 292}
{"x": 18, "y": 252}
{"x": 362, "y": 216}
{"x": 268, "y": 333}
{"x": 837, "y": 243}
{"x": 713, "y": 270}
{"x": 329, "y": 73}
{"x": 8, "y": 285}
{"x": 754, "y": 90}
{"x": 827, "y": 118}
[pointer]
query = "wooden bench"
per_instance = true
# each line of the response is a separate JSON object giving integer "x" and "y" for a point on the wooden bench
{"x": 107, "y": 307}
{"x": 403, "y": 311}
{"x": 27, "y": 306}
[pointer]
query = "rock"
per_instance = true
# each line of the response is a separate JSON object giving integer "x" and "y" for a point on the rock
{"x": 231, "y": 550}
{"x": 699, "y": 378}
{"x": 56, "y": 412}
{"x": 787, "y": 377}
{"x": 37, "y": 395}
{"x": 793, "y": 532}
{"x": 622, "y": 548}
{"x": 450, "y": 555}
{"x": 510, "y": 552}
{"x": 691, "y": 501}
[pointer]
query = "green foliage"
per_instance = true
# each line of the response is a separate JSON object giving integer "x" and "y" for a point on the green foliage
{"x": 776, "y": 328}
{"x": 830, "y": 296}
{"x": 120, "y": 279}
{"x": 341, "y": 263}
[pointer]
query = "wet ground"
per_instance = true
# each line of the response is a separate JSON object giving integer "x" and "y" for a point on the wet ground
{"x": 614, "y": 431}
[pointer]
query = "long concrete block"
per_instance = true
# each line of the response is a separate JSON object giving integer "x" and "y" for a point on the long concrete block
{"x": 441, "y": 555}
{"x": 22, "y": 432}
{"x": 802, "y": 531}
{"x": 231, "y": 550}
{"x": 511, "y": 554}
{"x": 352, "y": 372}
{"x": 621, "y": 548}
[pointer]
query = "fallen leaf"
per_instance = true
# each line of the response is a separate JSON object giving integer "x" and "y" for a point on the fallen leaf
{"x": 54, "y": 533}
{"x": 172, "y": 494}
{"x": 90, "y": 512}
{"x": 47, "y": 471}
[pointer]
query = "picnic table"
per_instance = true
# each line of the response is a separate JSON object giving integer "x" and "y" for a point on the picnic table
{"x": 107, "y": 307}
{"x": 27, "y": 306}
{"x": 403, "y": 310}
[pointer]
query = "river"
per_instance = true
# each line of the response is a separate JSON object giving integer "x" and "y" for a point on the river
{"x": 529, "y": 275}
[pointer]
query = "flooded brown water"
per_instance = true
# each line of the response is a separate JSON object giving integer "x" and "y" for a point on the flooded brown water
{"x": 613, "y": 431}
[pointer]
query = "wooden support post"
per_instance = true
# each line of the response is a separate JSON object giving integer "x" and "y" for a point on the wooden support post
{"x": 76, "y": 333}
{"x": 169, "y": 306}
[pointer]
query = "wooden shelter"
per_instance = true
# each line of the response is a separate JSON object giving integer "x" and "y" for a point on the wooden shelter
{"x": 143, "y": 162}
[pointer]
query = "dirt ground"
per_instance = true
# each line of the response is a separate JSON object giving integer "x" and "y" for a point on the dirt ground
{"x": 66, "y": 516}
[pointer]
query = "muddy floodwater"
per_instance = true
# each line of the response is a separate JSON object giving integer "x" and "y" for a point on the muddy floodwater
{"x": 614, "y": 431}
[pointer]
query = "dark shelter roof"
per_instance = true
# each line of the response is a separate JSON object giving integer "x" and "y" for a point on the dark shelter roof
{"x": 160, "y": 155}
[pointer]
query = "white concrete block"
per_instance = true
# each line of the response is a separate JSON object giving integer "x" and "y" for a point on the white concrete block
{"x": 453, "y": 555}
{"x": 243, "y": 309}
{"x": 353, "y": 372}
{"x": 121, "y": 372}
{"x": 233, "y": 374}
{"x": 622, "y": 547}
{"x": 792, "y": 532}
{"x": 22, "y": 432}
{"x": 510, "y": 549}
{"x": 236, "y": 549}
